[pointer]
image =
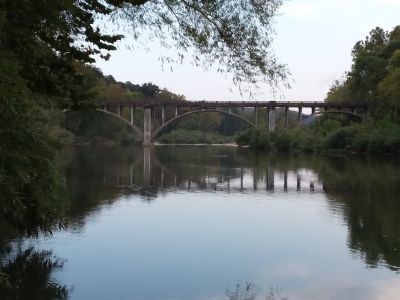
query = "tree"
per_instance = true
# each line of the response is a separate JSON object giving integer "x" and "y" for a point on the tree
{"x": 235, "y": 35}
{"x": 48, "y": 36}
{"x": 150, "y": 90}
{"x": 375, "y": 73}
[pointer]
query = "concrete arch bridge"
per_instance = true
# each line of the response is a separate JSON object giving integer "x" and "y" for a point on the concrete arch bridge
{"x": 157, "y": 117}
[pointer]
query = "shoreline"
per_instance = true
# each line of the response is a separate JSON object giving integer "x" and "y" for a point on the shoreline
{"x": 218, "y": 145}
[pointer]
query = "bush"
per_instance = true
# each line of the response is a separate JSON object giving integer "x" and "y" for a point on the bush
{"x": 193, "y": 137}
{"x": 243, "y": 138}
{"x": 283, "y": 141}
{"x": 255, "y": 138}
{"x": 340, "y": 138}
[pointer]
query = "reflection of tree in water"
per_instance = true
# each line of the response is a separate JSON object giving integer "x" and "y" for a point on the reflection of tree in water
{"x": 367, "y": 193}
{"x": 28, "y": 276}
{"x": 248, "y": 292}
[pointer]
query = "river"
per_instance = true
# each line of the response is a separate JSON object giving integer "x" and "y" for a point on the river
{"x": 224, "y": 223}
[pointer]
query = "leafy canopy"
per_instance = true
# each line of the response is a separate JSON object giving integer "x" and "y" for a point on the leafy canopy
{"x": 48, "y": 37}
{"x": 375, "y": 74}
{"x": 235, "y": 35}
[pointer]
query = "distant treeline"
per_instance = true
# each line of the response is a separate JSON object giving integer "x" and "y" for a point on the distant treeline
{"x": 105, "y": 87}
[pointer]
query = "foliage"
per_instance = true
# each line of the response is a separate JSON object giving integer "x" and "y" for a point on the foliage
{"x": 248, "y": 291}
{"x": 102, "y": 88}
{"x": 374, "y": 80}
{"x": 235, "y": 36}
{"x": 207, "y": 122}
{"x": 27, "y": 276}
{"x": 256, "y": 138}
{"x": 375, "y": 73}
{"x": 92, "y": 127}
{"x": 328, "y": 135}
{"x": 28, "y": 178}
{"x": 193, "y": 137}
{"x": 48, "y": 37}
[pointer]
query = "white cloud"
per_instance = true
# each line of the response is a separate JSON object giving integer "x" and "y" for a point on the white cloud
{"x": 300, "y": 10}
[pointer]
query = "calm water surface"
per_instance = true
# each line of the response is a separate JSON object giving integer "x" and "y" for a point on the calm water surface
{"x": 202, "y": 222}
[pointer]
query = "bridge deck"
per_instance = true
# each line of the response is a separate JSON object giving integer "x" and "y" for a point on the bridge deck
{"x": 260, "y": 104}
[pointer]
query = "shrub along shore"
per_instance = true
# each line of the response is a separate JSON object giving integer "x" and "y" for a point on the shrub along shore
{"x": 327, "y": 135}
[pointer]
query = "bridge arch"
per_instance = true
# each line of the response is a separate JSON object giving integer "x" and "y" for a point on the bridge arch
{"x": 311, "y": 118}
{"x": 136, "y": 129}
{"x": 181, "y": 116}
{"x": 340, "y": 112}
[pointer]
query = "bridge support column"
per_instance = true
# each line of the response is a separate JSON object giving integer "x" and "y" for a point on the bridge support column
{"x": 272, "y": 119}
{"x": 241, "y": 179}
{"x": 285, "y": 181}
{"x": 286, "y": 117}
{"x": 163, "y": 114}
{"x": 132, "y": 109}
{"x": 148, "y": 127}
{"x": 131, "y": 176}
{"x": 300, "y": 113}
{"x": 270, "y": 178}
{"x": 119, "y": 110}
{"x": 256, "y": 113}
{"x": 298, "y": 183}
{"x": 313, "y": 110}
{"x": 147, "y": 165}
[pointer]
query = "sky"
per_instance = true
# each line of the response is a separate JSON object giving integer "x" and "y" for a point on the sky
{"x": 313, "y": 38}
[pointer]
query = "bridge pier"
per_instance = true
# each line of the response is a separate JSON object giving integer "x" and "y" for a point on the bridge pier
{"x": 147, "y": 166}
{"x": 270, "y": 180}
{"x": 132, "y": 109}
{"x": 272, "y": 119}
{"x": 286, "y": 116}
{"x": 148, "y": 127}
{"x": 300, "y": 113}
{"x": 285, "y": 181}
{"x": 298, "y": 183}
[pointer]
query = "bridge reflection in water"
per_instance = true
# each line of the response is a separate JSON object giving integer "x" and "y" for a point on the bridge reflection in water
{"x": 149, "y": 173}
{"x": 363, "y": 192}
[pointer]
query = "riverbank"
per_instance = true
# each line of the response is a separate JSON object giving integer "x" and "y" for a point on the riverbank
{"x": 202, "y": 145}
{"x": 328, "y": 136}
